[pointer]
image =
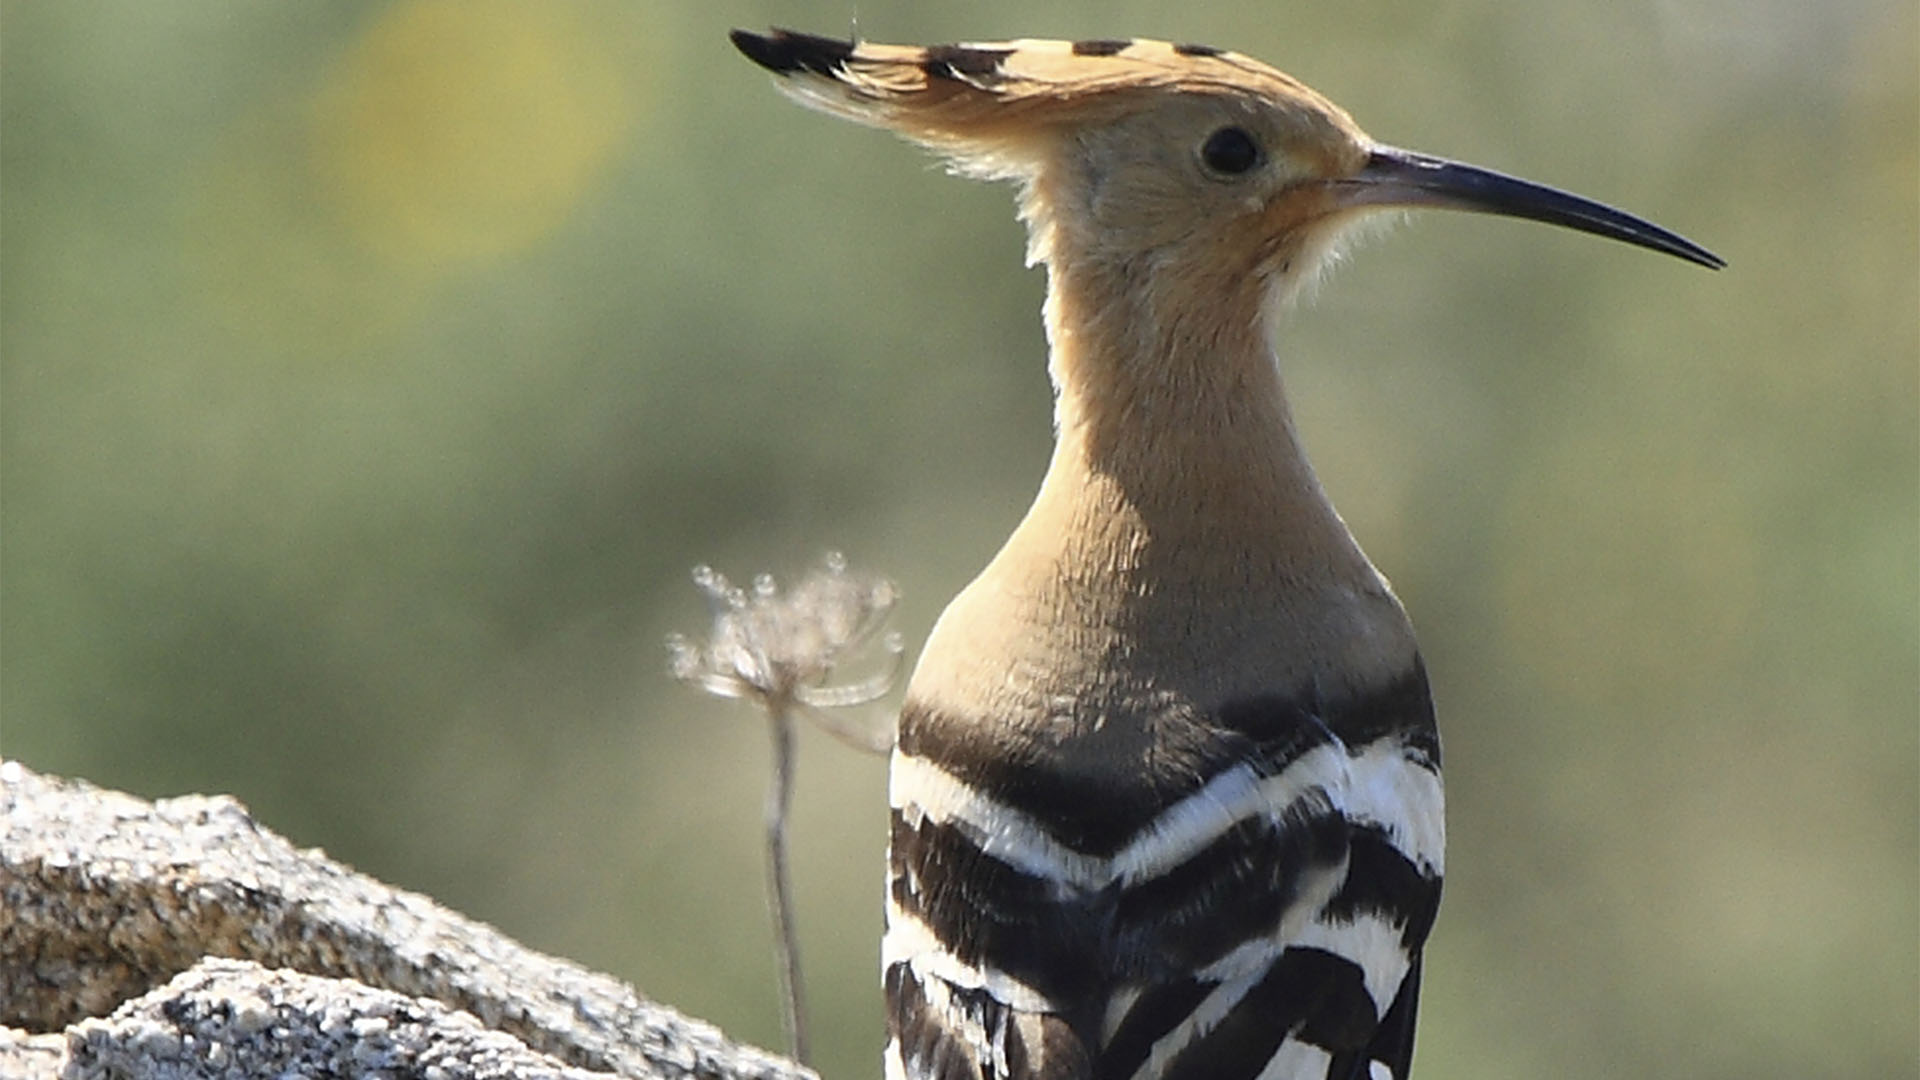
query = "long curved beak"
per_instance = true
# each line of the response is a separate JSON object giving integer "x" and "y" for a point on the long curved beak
{"x": 1402, "y": 178}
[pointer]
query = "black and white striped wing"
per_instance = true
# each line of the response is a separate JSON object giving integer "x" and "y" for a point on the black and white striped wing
{"x": 1264, "y": 922}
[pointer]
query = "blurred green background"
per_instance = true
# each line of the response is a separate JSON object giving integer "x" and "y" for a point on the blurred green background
{"x": 375, "y": 372}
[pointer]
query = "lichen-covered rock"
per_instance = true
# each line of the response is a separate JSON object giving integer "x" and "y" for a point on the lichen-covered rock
{"x": 230, "y": 1019}
{"x": 105, "y": 899}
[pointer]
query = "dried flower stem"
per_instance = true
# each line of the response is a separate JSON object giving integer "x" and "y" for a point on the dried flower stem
{"x": 780, "y": 652}
{"x": 779, "y": 888}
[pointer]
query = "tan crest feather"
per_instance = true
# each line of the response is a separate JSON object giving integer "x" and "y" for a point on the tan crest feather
{"x": 986, "y": 98}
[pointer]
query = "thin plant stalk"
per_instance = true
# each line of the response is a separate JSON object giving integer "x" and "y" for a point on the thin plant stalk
{"x": 780, "y": 652}
{"x": 779, "y": 890}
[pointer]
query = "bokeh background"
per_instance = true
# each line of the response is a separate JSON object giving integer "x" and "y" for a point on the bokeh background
{"x": 374, "y": 373}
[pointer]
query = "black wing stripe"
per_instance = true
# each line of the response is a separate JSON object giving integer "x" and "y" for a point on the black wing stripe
{"x": 1097, "y": 812}
{"x": 1235, "y": 890}
{"x": 986, "y": 913}
{"x": 1149, "y": 1019}
{"x": 1392, "y": 1044}
{"x": 1308, "y": 994}
{"x": 1383, "y": 881}
{"x": 1402, "y": 707}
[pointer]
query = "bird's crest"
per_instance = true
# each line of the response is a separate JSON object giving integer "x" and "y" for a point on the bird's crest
{"x": 980, "y": 102}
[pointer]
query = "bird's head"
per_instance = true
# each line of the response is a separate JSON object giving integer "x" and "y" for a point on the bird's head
{"x": 1141, "y": 154}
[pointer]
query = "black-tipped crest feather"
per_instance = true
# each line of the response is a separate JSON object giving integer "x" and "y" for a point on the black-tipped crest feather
{"x": 785, "y": 51}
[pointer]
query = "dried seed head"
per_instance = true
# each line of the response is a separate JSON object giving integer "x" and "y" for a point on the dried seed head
{"x": 782, "y": 649}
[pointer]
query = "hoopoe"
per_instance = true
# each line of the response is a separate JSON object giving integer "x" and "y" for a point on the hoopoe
{"x": 1166, "y": 796}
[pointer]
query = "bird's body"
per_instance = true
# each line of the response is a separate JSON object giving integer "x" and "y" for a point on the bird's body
{"x": 1166, "y": 796}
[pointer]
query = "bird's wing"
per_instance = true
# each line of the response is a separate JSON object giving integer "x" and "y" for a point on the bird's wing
{"x": 1264, "y": 924}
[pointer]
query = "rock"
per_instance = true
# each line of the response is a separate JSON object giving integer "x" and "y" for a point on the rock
{"x": 181, "y": 939}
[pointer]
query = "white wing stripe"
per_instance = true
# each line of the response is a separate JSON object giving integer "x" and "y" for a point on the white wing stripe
{"x": 1403, "y": 798}
{"x": 922, "y": 791}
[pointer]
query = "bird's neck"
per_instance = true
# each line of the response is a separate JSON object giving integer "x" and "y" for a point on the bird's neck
{"x": 1180, "y": 543}
{"x": 1176, "y": 453}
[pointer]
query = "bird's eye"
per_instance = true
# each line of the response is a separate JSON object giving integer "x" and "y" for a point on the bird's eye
{"x": 1230, "y": 151}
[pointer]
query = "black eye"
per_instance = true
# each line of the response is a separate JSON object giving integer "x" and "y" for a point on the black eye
{"x": 1230, "y": 151}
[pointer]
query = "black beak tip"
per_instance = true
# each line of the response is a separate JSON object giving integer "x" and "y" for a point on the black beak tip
{"x": 1678, "y": 246}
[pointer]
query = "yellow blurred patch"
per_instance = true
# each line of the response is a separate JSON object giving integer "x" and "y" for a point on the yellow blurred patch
{"x": 266, "y": 264}
{"x": 465, "y": 130}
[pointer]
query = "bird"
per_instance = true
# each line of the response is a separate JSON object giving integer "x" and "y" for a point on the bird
{"x": 1165, "y": 796}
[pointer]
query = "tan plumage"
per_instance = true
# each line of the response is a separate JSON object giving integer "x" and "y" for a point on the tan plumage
{"x": 1166, "y": 797}
{"x": 991, "y": 96}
